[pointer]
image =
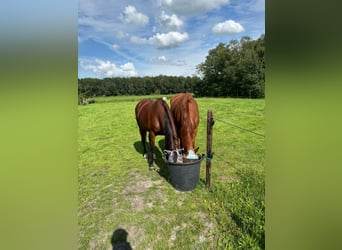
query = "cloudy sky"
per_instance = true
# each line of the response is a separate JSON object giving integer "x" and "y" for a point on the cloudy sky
{"x": 159, "y": 37}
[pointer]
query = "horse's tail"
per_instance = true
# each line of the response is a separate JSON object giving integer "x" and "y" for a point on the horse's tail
{"x": 170, "y": 129}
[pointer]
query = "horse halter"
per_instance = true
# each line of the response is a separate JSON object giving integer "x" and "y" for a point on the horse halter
{"x": 175, "y": 155}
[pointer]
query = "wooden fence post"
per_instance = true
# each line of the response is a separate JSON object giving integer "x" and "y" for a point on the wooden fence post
{"x": 210, "y": 124}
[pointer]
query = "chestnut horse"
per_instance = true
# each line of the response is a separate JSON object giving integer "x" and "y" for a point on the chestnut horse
{"x": 156, "y": 118}
{"x": 185, "y": 113}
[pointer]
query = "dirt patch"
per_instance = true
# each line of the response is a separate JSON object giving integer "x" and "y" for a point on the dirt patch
{"x": 138, "y": 203}
{"x": 135, "y": 235}
{"x": 143, "y": 193}
{"x": 227, "y": 179}
{"x": 139, "y": 192}
{"x": 174, "y": 233}
{"x": 138, "y": 184}
{"x": 207, "y": 233}
{"x": 158, "y": 194}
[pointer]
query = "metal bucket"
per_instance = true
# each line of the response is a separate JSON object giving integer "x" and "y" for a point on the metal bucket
{"x": 185, "y": 176}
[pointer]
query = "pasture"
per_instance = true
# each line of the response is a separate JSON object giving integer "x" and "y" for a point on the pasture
{"x": 117, "y": 190}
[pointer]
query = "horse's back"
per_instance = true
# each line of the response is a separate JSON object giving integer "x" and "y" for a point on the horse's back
{"x": 147, "y": 114}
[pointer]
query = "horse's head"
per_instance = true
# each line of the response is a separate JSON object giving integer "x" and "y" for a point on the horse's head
{"x": 191, "y": 154}
{"x": 174, "y": 155}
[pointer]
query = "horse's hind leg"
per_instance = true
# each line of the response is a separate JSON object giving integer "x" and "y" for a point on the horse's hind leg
{"x": 151, "y": 137}
{"x": 143, "y": 141}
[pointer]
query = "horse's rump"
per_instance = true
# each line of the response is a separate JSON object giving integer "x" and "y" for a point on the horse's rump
{"x": 146, "y": 113}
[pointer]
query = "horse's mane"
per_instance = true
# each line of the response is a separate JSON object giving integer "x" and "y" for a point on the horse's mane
{"x": 185, "y": 109}
{"x": 170, "y": 130}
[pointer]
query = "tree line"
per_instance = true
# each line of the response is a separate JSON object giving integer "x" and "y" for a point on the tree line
{"x": 236, "y": 69}
{"x": 90, "y": 87}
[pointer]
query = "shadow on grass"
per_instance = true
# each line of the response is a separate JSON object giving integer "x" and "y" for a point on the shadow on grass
{"x": 119, "y": 240}
{"x": 159, "y": 161}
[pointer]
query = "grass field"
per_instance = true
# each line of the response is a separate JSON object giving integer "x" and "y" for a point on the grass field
{"x": 117, "y": 190}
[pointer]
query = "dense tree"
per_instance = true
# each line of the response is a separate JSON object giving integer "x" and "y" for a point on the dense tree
{"x": 236, "y": 69}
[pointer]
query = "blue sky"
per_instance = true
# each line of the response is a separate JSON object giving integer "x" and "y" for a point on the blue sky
{"x": 123, "y": 38}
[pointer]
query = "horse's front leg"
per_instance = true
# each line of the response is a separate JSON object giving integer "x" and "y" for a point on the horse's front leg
{"x": 151, "y": 138}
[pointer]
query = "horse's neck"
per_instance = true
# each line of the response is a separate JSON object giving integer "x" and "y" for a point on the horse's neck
{"x": 170, "y": 136}
{"x": 187, "y": 142}
{"x": 170, "y": 131}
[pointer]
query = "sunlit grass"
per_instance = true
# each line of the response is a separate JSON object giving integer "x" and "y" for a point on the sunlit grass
{"x": 116, "y": 189}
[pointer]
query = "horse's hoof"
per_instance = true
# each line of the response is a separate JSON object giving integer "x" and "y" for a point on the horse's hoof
{"x": 145, "y": 156}
{"x": 152, "y": 169}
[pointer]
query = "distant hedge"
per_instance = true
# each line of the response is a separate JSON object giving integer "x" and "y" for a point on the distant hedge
{"x": 91, "y": 87}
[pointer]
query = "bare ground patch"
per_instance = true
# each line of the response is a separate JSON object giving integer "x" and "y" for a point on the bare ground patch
{"x": 207, "y": 233}
{"x": 138, "y": 203}
{"x": 138, "y": 184}
{"x": 138, "y": 191}
{"x": 175, "y": 232}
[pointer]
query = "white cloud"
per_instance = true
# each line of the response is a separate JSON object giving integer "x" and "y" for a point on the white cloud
{"x": 228, "y": 27}
{"x": 161, "y": 59}
{"x": 165, "y": 61}
{"x": 163, "y": 40}
{"x": 138, "y": 40}
{"x": 171, "y": 39}
{"x": 169, "y": 23}
{"x": 193, "y": 6}
{"x": 115, "y": 46}
{"x": 96, "y": 24}
{"x": 131, "y": 15}
{"x": 109, "y": 69}
{"x": 121, "y": 35}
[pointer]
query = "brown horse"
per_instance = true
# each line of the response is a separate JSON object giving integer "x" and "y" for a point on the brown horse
{"x": 156, "y": 118}
{"x": 185, "y": 113}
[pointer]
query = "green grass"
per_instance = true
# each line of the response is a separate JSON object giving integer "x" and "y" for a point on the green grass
{"x": 117, "y": 190}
